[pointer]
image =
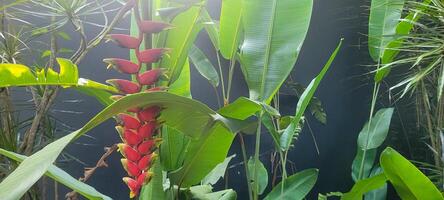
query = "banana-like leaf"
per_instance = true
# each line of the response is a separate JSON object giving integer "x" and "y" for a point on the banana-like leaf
{"x": 373, "y": 135}
{"x": 369, "y": 161}
{"x": 240, "y": 109}
{"x": 62, "y": 177}
{"x": 287, "y": 137}
{"x": 186, "y": 115}
{"x": 393, "y": 47}
{"x": 365, "y": 186}
{"x": 230, "y": 27}
{"x": 204, "y": 65}
{"x": 15, "y": 75}
{"x": 218, "y": 172}
{"x": 408, "y": 181}
{"x": 202, "y": 155}
{"x": 205, "y": 192}
{"x": 384, "y": 17}
{"x": 274, "y": 31}
{"x": 262, "y": 175}
{"x": 212, "y": 28}
{"x": 180, "y": 39}
{"x": 296, "y": 186}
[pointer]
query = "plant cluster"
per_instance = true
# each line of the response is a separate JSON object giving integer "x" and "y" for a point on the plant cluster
{"x": 176, "y": 147}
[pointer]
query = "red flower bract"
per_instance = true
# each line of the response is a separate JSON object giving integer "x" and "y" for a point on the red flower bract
{"x": 146, "y": 161}
{"x": 122, "y": 65}
{"x": 133, "y": 185}
{"x": 148, "y": 27}
{"x": 149, "y": 114}
{"x": 125, "y": 41}
{"x": 131, "y": 137}
{"x": 129, "y": 121}
{"x": 151, "y": 55}
{"x": 149, "y": 77}
{"x": 147, "y": 130}
{"x": 125, "y": 86}
{"x": 129, "y": 153}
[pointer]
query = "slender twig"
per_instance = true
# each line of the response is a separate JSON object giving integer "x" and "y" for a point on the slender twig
{"x": 89, "y": 171}
{"x": 245, "y": 158}
{"x": 256, "y": 157}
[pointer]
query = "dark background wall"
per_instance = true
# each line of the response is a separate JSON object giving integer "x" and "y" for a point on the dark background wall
{"x": 344, "y": 92}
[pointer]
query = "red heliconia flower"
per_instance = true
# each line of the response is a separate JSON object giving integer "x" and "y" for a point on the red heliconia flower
{"x": 133, "y": 185}
{"x": 125, "y": 86}
{"x": 145, "y": 162}
{"x": 131, "y": 167}
{"x": 146, "y": 147}
{"x": 125, "y": 41}
{"x": 147, "y": 130}
{"x": 122, "y": 65}
{"x": 144, "y": 178}
{"x": 149, "y": 77}
{"x": 131, "y": 137}
{"x": 128, "y": 152}
{"x": 149, "y": 27}
{"x": 129, "y": 121}
{"x": 151, "y": 55}
{"x": 149, "y": 113}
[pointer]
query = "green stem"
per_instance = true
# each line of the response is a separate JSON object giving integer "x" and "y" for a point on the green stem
{"x": 247, "y": 172}
{"x": 230, "y": 78}
{"x": 372, "y": 109}
{"x": 221, "y": 74}
{"x": 256, "y": 157}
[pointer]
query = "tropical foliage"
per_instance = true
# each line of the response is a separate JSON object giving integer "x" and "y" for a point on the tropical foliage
{"x": 176, "y": 147}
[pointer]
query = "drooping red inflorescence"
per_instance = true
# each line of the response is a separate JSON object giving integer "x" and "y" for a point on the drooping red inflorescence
{"x": 138, "y": 127}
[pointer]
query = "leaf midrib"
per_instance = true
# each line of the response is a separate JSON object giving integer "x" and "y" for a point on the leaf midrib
{"x": 268, "y": 50}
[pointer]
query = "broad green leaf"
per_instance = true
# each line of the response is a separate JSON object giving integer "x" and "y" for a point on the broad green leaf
{"x": 402, "y": 29}
{"x": 172, "y": 150}
{"x": 296, "y": 186}
{"x": 154, "y": 189}
{"x": 274, "y": 33}
{"x": 204, "y": 66}
{"x": 262, "y": 175}
{"x": 369, "y": 162}
{"x": 102, "y": 96}
{"x": 230, "y": 27}
{"x": 287, "y": 137}
{"x": 384, "y": 17}
{"x": 240, "y": 109}
{"x": 373, "y": 135}
{"x": 188, "y": 116}
{"x": 408, "y": 181}
{"x": 62, "y": 177}
{"x": 180, "y": 39}
{"x": 364, "y": 186}
{"x": 182, "y": 86}
{"x": 218, "y": 172}
{"x": 393, "y": 47}
{"x": 211, "y": 27}
{"x": 381, "y": 192}
{"x": 204, "y": 192}
{"x": 202, "y": 155}
{"x": 15, "y": 75}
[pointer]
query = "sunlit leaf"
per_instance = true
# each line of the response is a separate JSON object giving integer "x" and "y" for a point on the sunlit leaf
{"x": 304, "y": 100}
{"x": 408, "y": 181}
{"x": 296, "y": 186}
{"x": 62, "y": 177}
